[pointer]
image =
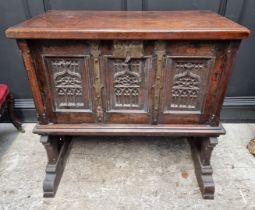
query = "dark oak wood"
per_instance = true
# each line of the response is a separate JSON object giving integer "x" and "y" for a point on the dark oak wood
{"x": 128, "y": 25}
{"x": 129, "y": 130}
{"x": 201, "y": 149}
{"x": 33, "y": 81}
{"x": 129, "y": 74}
{"x": 57, "y": 148}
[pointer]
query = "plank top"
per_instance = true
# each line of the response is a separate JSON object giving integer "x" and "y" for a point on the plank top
{"x": 189, "y": 25}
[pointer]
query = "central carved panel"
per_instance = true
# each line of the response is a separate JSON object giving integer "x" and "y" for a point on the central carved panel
{"x": 126, "y": 88}
{"x": 127, "y": 84}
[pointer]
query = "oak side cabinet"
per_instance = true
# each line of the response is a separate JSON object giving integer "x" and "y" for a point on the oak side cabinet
{"x": 128, "y": 73}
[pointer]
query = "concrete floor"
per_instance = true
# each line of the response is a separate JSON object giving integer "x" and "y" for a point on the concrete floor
{"x": 126, "y": 173}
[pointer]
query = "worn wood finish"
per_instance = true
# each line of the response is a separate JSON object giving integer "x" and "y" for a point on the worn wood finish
{"x": 65, "y": 76}
{"x": 201, "y": 149}
{"x": 57, "y": 148}
{"x": 128, "y": 73}
{"x": 33, "y": 81}
{"x": 128, "y": 25}
{"x": 145, "y": 87}
{"x": 129, "y": 130}
{"x": 128, "y": 76}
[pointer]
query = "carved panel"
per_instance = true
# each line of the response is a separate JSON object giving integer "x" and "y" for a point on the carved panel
{"x": 126, "y": 88}
{"x": 185, "y": 90}
{"x": 126, "y": 85}
{"x": 68, "y": 76}
{"x": 67, "y": 79}
{"x": 186, "y": 83}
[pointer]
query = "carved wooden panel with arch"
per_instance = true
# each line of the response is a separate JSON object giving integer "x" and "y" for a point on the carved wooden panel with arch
{"x": 127, "y": 87}
{"x": 67, "y": 79}
{"x": 66, "y": 83}
{"x": 186, "y": 83}
{"x": 128, "y": 79}
{"x": 69, "y": 82}
{"x": 127, "y": 91}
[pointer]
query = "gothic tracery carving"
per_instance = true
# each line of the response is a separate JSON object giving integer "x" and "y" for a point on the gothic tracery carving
{"x": 186, "y": 85}
{"x": 126, "y": 85}
{"x": 185, "y": 90}
{"x": 67, "y": 82}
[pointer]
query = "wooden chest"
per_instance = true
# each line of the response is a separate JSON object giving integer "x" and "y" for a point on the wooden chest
{"x": 128, "y": 73}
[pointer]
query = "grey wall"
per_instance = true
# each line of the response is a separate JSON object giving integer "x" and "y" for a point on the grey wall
{"x": 240, "y": 100}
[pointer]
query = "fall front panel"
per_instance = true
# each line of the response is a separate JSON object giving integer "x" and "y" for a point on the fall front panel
{"x": 128, "y": 75}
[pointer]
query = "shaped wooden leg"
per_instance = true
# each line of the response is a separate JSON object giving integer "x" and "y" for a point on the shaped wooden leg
{"x": 57, "y": 148}
{"x": 201, "y": 149}
{"x": 12, "y": 117}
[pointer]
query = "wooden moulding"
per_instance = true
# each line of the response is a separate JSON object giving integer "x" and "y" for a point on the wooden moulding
{"x": 177, "y": 25}
{"x": 128, "y": 130}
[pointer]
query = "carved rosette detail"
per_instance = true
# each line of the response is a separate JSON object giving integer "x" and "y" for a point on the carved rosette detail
{"x": 126, "y": 85}
{"x": 67, "y": 82}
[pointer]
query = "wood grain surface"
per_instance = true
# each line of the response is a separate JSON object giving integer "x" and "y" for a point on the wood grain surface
{"x": 128, "y": 25}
